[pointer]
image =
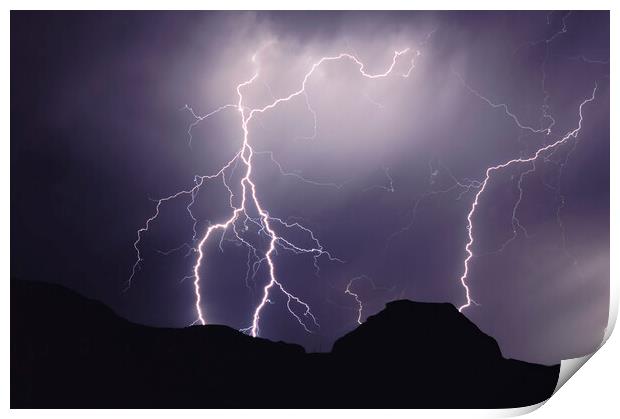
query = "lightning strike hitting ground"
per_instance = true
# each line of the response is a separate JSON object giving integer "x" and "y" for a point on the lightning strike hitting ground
{"x": 553, "y": 147}
{"x": 550, "y": 147}
{"x": 249, "y": 200}
{"x": 357, "y": 298}
{"x": 349, "y": 290}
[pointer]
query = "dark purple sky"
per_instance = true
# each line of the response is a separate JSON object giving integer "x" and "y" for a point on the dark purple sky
{"x": 99, "y": 131}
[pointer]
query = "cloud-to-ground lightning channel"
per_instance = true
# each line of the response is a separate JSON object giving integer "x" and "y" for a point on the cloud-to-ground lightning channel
{"x": 551, "y": 147}
{"x": 249, "y": 199}
{"x": 360, "y": 304}
{"x": 489, "y": 171}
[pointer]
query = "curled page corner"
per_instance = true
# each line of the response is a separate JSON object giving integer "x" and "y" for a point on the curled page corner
{"x": 569, "y": 367}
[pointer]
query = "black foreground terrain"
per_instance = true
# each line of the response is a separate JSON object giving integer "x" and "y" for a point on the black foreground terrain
{"x": 71, "y": 352}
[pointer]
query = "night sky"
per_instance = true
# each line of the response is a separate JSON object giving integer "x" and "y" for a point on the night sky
{"x": 99, "y": 132}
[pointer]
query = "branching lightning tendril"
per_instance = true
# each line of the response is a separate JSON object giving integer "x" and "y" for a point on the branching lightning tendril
{"x": 489, "y": 171}
{"x": 358, "y": 300}
{"x": 249, "y": 200}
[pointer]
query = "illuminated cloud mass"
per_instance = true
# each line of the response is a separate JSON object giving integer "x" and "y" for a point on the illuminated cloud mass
{"x": 287, "y": 174}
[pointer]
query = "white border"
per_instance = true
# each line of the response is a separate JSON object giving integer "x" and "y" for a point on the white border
{"x": 593, "y": 393}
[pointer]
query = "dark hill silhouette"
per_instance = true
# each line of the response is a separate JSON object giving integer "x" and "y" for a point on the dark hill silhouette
{"x": 68, "y": 351}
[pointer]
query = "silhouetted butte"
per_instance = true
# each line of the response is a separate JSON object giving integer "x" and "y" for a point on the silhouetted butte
{"x": 68, "y": 351}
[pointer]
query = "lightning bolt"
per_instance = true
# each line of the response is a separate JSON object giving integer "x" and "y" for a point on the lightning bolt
{"x": 239, "y": 219}
{"x": 357, "y": 298}
{"x": 540, "y": 152}
{"x": 489, "y": 171}
{"x": 360, "y": 305}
